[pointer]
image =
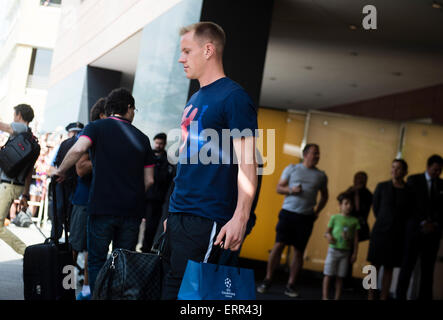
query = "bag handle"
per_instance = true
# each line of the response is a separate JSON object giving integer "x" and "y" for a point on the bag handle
{"x": 159, "y": 245}
{"x": 219, "y": 250}
{"x": 54, "y": 210}
{"x": 54, "y": 214}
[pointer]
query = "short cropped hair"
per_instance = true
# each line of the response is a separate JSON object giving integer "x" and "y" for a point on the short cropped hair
{"x": 206, "y": 31}
{"x": 308, "y": 147}
{"x": 362, "y": 174}
{"x": 118, "y": 100}
{"x": 346, "y": 195}
{"x": 403, "y": 163}
{"x": 161, "y": 136}
{"x": 97, "y": 109}
{"x": 435, "y": 159}
{"x": 25, "y": 111}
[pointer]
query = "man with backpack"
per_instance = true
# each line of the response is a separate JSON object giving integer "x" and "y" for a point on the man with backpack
{"x": 16, "y": 184}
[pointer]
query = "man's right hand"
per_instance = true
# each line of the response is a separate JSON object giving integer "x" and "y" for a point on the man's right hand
{"x": 296, "y": 190}
{"x": 330, "y": 238}
{"x": 60, "y": 176}
{"x": 23, "y": 205}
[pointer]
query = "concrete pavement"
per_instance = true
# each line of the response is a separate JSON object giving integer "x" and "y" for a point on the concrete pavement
{"x": 11, "y": 269}
{"x": 11, "y": 263}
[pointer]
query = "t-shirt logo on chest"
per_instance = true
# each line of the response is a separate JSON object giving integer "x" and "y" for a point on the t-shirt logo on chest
{"x": 188, "y": 117}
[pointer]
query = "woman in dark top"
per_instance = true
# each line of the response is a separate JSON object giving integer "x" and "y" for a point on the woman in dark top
{"x": 392, "y": 205}
{"x": 362, "y": 203}
{"x": 362, "y": 207}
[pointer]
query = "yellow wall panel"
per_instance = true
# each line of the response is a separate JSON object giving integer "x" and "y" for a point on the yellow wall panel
{"x": 347, "y": 145}
{"x": 289, "y": 128}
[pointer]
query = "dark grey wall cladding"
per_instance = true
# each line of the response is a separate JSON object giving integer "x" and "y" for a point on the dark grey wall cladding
{"x": 247, "y": 25}
{"x": 99, "y": 83}
{"x": 63, "y": 104}
{"x": 160, "y": 84}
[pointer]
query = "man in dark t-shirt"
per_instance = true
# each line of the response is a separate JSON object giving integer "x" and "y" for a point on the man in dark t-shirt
{"x": 212, "y": 197}
{"x": 122, "y": 170}
{"x": 155, "y": 197}
{"x": 65, "y": 189}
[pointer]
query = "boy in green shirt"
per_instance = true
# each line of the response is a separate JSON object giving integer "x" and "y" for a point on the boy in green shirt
{"x": 342, "y": 230}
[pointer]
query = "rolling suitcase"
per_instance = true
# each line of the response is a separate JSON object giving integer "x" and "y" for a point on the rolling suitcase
{"x": 48, "y": 267}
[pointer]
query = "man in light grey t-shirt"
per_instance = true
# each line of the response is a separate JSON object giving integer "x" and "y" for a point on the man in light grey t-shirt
{"x": 310, "y": 180}
{"x": 13, "y": 188}
{"x": 300, "y": 184}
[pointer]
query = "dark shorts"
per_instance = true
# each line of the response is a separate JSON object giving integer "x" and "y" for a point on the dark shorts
{"x": 77, "y": 232}
{"x": 294, "y": 229}
{"x": 188, "y": 237}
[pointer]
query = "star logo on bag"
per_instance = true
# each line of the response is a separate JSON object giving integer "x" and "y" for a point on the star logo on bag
{"x": 228, "y": 283}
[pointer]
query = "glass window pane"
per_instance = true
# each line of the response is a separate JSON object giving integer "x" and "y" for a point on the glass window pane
{"x": 42, "y": 64}
{"x": 48, "y": 3}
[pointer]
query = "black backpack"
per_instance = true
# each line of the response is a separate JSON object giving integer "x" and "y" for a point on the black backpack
{"x": 19, "y": 154}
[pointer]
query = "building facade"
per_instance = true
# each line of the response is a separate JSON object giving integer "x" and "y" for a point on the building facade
{"x": 135, "y": 44}
{"x": 27, "y": 39}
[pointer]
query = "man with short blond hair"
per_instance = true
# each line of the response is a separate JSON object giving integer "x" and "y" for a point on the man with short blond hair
{"x": 207, "y": 32}
{"x": 211, "y": 203}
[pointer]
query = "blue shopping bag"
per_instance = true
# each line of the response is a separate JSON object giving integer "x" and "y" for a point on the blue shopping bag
{"x": 206, "y": 281}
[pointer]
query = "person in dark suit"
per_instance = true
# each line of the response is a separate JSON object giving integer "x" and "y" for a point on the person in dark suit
{"x": 424, "y": 229}
{"x": 392, "y": 206}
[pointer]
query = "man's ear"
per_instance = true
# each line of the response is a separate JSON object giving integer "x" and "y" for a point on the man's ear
{"x": 209, "y": 50}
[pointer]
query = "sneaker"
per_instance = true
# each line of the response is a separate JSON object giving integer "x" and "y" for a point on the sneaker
{"x": 80, "y": 296}
{"x": 264, "y": 286}
{"x": 290, "y": 291}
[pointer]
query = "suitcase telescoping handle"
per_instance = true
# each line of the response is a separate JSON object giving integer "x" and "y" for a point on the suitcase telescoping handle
{"x": 54, "y": 213}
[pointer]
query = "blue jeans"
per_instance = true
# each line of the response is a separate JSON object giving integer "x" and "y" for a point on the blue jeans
{"x": 101, "y": 230}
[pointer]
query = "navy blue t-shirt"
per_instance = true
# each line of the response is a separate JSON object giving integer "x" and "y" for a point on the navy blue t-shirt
{"x": 204, "y": 186}
{"x": 119, "y": 154}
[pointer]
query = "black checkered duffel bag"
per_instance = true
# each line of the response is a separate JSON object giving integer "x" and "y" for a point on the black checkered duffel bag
{"x": 129, "y": 275}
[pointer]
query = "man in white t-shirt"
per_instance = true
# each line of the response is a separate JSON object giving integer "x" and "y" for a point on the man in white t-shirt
{"x": 13, "y": 188}
{"x": 300, "y": 184}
